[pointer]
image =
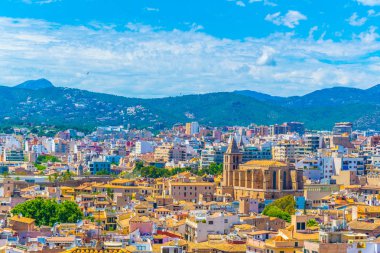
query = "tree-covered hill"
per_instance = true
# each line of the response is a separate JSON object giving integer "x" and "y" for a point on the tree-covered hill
{"x": 42, "y": 103}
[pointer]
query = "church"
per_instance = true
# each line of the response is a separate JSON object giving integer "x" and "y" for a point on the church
{"x": 258, "y": 179}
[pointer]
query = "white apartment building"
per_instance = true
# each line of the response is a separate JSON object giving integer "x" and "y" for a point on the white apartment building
{"x": 143, "y": 147}
{"x": 200, "y": 225}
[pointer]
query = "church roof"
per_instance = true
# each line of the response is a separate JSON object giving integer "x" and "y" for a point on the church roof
{"x": 232, "y": 147}
{"x": 265, "y": 163}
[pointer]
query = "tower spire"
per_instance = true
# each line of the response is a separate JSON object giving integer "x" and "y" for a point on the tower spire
{"x": 232, "y": 146}
{"x": 241, "y": 143}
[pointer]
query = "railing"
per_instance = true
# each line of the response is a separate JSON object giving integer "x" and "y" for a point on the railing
{"x": 255, "y": 243}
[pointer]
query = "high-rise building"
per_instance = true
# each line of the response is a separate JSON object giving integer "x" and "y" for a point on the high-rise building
{"x": 212, "y": 154}
{"x": 342, "y": 128}
{"x": 262, "y": 131}
{"x": 99, "y": 166}
{"x": 285, "y": 152}
{"x": 192, "y": 128}
{"x": 169, "y": 152}
{"x": 143, "y": 147}
{"x": 217, "y": 135}
{"x": 295, "y": 127}
{"x": 13, "y": 155}
{"x": 313, "y": 142}
{"x": 254, "y": 153}
{"x": 278, "y": 129}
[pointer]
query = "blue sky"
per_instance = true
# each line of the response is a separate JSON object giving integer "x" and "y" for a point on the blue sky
{"x": 152, "y": 48}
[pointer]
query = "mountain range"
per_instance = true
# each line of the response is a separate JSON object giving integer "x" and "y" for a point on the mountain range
{"x": 40, "y": 102}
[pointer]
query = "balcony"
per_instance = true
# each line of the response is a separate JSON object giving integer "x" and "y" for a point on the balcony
{"x": 255, "y": 243}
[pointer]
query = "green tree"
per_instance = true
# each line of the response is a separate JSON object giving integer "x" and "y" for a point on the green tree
{"x": 216, "y": 168}
{"x": 312, "y": 223}
{"x": 110, "y": 193}
{"x": 274, "y": 211}
{"x": 102, "y": 173}
{"x": 139, "y": 165}
{"x": 40, "y": 167}
{"x": 287, "y": 204}
{"x": 213, "y": 169}
{"x": 282, "y": 208}
{"x": 154, "y": 172}
{"x": 47, "y": 158}
{"x": 67, "y": 175}
{"x": 55, "y": 176}
{"x": 48, "y": 211}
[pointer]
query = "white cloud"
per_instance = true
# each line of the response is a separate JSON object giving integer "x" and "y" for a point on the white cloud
{"x": 373, "y": 13}
{"x": 138, "y": 27}
{"x": 194, "y": 27}
{"x": 291, "y": 19}
{"x": 152, "y": 9}
{"x": 312, "y": 31}
{"x": 147, "y": 62}
{"x": 265, "y": 2}
{"x": 240, "y": 3}
{"x": 355, "y": 20}
{"x": 269, "y": 3}
{"x": 40, "y": 1}
{"x": 369, "y": 2}
{"x": 370, "y": 35}
{"x": 267, "y": 57}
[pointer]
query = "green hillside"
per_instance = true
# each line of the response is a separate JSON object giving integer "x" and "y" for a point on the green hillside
{"x": 83, "y": 109}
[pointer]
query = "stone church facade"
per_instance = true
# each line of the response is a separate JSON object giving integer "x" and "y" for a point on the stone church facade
{"x": 258, "y": 179}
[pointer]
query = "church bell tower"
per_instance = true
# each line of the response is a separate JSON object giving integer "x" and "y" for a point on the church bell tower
{"x": 232, "y": 159}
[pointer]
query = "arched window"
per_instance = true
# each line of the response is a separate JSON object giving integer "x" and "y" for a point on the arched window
{"x": 274, "y": 180}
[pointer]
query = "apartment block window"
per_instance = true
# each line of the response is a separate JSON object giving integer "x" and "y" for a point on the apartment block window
{"x": 301, "y": 225}
{"x": 211, "y": 222}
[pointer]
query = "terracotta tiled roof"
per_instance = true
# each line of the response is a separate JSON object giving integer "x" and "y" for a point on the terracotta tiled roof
{"x": 361, "y": 225}
{"x": 22, "y": 219}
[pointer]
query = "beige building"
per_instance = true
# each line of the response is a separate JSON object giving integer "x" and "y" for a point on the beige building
{"x": 258, "y": 179}
{"x": 192, "y": 191}
{"x": 315, "y": 193}
{"x": 21, "y": 224}
{"x": 340, "y": 242}
{"x": 8, "y": 187}
{"x": 169, "y": 152}
{"x": 262, "y": 222}
{"x": 285, "y": 152}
